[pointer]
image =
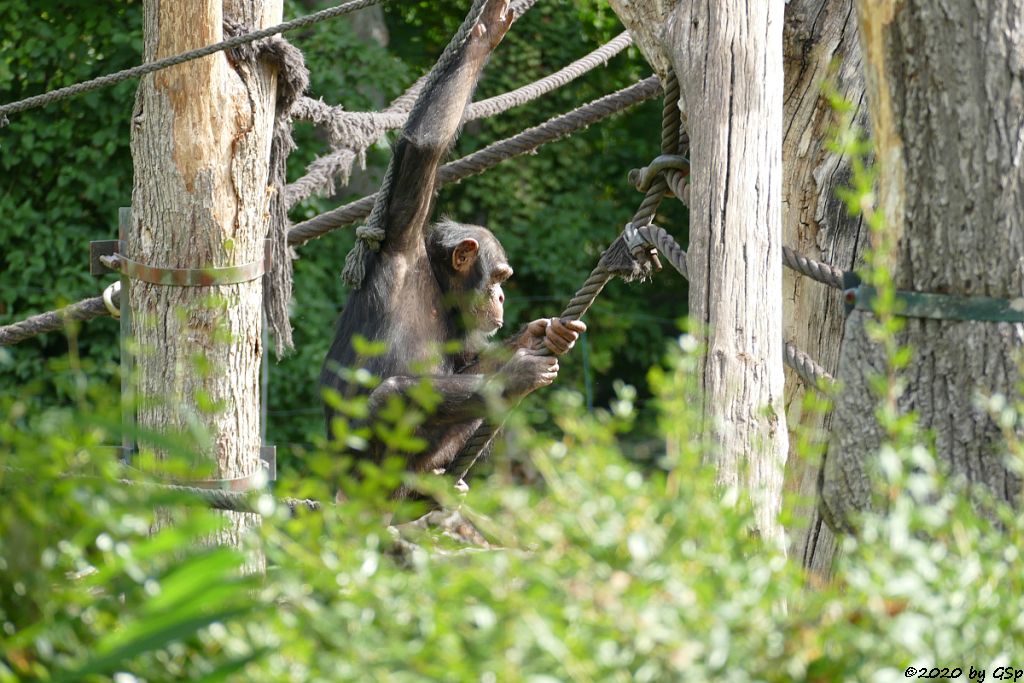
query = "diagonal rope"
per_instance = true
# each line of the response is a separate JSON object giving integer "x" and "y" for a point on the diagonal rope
{"x": 478, "y": 162}
{"x": 51, "y": 321}
{"x": 150, "y": 67}
{"x": 825, "y": 273}
{"x": 809, "y": 371}
{"x": 352, "y": 133}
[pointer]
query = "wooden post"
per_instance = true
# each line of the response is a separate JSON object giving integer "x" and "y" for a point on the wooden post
{"x": 201, "y": 134}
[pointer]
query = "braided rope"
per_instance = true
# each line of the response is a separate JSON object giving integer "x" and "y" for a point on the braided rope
{"x": 150, "y": 67}
{"x": 396, "y": 114}
{"x": 670, "y": 124}
{"x": 354, "y": 132}
{"x": 527, "y": 93}
{"x": 809, "y": 371}
{"x": 521, "y": 7}
{"x": 806, "y": 369}
{"x": 667, "y": 245}
{"x": 484, "y": 159}
{"x": 51, "y": 321}
{"x": 223, "y": 499}
{"x": 816, "y": 270}
{"x": 824, "y": 273}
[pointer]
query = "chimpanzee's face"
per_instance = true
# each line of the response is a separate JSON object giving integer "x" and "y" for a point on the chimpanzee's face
{"x": 489, "y": 308}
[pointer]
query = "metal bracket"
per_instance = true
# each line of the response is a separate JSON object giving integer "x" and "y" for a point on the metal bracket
{"x": 639, "y": 247}
{"x": 268, "y": 455}
{"x": 103, "y": 254}
{"x": 97, "y": 250}
{"x": 633, "y": 239}
{"x": 105, "y": 257}
{"x": 934, "y": 305}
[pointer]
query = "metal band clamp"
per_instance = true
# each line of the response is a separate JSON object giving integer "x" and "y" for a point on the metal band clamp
{"x": 189, "y": 277}
{"x": 638, "y": 245}
{"x": 935, "y": 306}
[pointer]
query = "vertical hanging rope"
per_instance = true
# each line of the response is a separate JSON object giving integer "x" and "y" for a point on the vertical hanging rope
{"x": 292, "y": 81}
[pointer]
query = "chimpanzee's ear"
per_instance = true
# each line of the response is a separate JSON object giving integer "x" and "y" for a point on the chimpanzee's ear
{"x": 464, "y": 255}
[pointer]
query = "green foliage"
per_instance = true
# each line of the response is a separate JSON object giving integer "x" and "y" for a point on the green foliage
{"x": 601, "y": 572}
{"x": 65, "y": 168}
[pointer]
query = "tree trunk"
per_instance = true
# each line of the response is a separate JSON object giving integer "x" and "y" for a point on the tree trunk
{"x": 946, "y": 93}
{"x": 201, "y": 137}
{"x": 728, "y": 59}
{"x": 820, "y": 44}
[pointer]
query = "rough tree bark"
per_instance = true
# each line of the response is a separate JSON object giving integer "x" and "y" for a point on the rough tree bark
{"x": 946, "y": 93}
{"x": 820, "y": 44}
{"x": 200, "y": 139}
{"x": 728, "y": 59}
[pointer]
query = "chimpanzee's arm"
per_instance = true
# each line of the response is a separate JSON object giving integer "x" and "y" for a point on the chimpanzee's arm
{"x": 434, "y": 124}
{"x": 464, "y": 397}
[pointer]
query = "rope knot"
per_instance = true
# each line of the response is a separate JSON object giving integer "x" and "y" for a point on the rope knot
{"x": 370, "y": 235}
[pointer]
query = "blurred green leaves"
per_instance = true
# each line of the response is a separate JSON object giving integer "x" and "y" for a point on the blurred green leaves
{"x": 602, "y": 570}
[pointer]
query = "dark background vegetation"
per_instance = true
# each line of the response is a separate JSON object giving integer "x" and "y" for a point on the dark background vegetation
{"x": 67, "y": 169}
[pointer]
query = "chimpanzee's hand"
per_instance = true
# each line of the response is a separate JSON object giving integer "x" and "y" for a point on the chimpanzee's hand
{"x": 526, "y": 371}
{"x": 495, "y": 22}
{"x": 559, "y": 337}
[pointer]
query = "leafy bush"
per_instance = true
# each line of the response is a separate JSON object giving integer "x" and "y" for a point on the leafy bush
{"x": 600, "y": 572}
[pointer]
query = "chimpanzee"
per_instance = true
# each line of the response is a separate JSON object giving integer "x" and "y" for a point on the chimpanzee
{"x": 428, "y": 286}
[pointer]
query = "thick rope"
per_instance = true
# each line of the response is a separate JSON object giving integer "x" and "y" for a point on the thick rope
{"x": 527, "y": 93}
{"x": 292, "y": 81}
{"x": 824, "y": 273}
{"x": 810, "y": 372}
{"x": 232, "y": 501}
{"x": 482, "y": 160}
{"x": 816, "y": 270}
{"x": 51, "y": 321}
{"x": 671, "y": 123}
{"x": 371, "y": 234}
{"x": 150, "y": 67}
{"x": 521, "y": 7}
{"x": 352, "y": 133}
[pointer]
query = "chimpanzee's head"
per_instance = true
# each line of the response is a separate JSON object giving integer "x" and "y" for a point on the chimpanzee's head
{"x": 470, "y": 265}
